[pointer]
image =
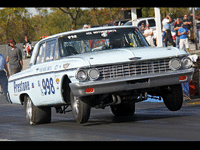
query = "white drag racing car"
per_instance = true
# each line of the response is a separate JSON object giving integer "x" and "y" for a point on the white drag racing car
{"x": 95, "y": 68}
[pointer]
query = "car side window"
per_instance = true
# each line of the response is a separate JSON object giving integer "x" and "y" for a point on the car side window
{"x": 41, "y": 54}
{"x": 151, "y": 23}
{"x": 140, "y": 23}
{"x": 56, "y": 56}
{"x": 50, "y": 51}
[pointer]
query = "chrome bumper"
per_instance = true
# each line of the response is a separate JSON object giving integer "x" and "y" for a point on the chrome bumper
{"x": 126, "y": 84}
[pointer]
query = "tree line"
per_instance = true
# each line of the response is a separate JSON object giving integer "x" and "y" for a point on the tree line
{"x": 18, "y": 22}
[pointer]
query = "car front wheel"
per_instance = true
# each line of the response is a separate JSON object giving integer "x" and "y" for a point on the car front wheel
{"x": 173, "y": 97}
{"x": 80, "y": 108}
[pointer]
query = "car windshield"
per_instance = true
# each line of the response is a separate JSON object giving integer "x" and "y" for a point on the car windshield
{"x": 100, "y": 40}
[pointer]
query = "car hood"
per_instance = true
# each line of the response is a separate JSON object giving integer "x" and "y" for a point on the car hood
{"x": 128, "y": 54}
{"x": 120, "y": 55}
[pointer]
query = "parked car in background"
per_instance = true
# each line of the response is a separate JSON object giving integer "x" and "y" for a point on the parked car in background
{"x": 150, "y": 21}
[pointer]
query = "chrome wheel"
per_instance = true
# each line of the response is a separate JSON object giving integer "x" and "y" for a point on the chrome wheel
{"x": 80, "y": 108}
{"x": 76, "y": 104}
{"x": 29, "y": 109}
{"x": 34, "y": 114}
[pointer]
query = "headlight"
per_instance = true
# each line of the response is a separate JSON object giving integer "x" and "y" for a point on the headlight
{"x": 186, "y": 62}
{"x": 175, "y": 64}
{"x": 93, "y": 74}
{"x": 81, "y": 75}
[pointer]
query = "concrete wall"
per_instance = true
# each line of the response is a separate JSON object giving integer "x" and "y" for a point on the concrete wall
{"x": 4, "y": 48}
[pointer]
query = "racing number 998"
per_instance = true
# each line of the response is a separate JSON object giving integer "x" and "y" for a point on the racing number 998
{"x": 48, "y": 86}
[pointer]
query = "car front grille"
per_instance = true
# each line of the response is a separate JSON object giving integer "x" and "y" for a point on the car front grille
{"x": 134, "y": 69}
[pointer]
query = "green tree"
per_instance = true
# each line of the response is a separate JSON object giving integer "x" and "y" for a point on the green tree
{"x": 17, "y": 22}
{"x": 73, "y": 13}
{"x": 14, "y": 23}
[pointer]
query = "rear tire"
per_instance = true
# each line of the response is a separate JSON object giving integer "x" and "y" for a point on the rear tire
{"x": 80, "y": 108}
{"x": 123, "y": 109}
{"x": 34, "y": 114}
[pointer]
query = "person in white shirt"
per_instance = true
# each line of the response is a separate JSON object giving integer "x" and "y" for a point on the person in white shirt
{"x": 166, "y": 28}
{"x": 148, "y": 33}
{"x": 166, "y": 22}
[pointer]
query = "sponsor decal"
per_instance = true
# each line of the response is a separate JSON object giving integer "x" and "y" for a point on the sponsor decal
{"x": 46, "y": 87}
{"x": 57, "y": 80}
{"x": 21, "y": 86}
{"x": 65, "y": 66}
{"x": 33, "y": 85}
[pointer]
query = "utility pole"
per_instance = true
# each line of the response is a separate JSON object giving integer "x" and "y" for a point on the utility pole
{"x": 133, "y": 16}
{"x": 195, "y": 28}
{"x": 158, "y": 23}
{"x": 158, "y": 26}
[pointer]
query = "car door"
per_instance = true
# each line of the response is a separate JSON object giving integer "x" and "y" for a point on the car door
{"x": 48, "y": 93}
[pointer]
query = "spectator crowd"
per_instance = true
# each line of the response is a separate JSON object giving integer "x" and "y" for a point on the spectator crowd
{"x": 182, "y": 27}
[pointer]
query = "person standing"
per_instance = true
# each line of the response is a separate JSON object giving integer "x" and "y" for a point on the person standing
{"x": 166, "y": 28}
{"x": 4, "y": 75}
{"x": 26, "y": 41}
{"x": 14, "y": 58}
{"x": 142, "y": 28}
{"x": 148, "y": 33}
{"x": 187, "y": 24}
{"x": 27, "y": 47}
{"x": 177, "y": 25}
{"x": 183, "y": 33}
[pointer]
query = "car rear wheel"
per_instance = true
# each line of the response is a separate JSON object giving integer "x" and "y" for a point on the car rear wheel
{"x": 123, "y": 109}
{"x": 34, "y": 114}
{"x": 80, "y": 108}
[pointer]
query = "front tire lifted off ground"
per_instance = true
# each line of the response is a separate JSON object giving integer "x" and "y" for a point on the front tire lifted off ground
{"x": 173, "y": 97}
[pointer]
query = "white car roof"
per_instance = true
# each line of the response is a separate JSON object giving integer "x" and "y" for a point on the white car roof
{"x": 74, "y": 32}
{"x": 85, "y": 30}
